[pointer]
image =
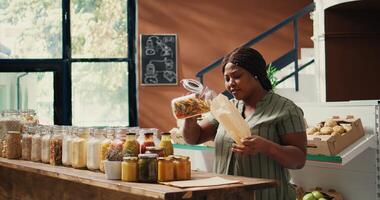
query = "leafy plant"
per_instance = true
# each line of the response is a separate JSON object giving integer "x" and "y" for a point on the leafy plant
{"x": 271, "y": 72}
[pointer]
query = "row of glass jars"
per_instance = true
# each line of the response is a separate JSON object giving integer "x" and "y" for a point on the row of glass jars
{"x": 151, "y": 168}
{"x": 79, "y": 147}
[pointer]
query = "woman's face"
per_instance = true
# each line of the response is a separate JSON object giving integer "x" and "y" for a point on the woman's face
{"x": 239, "y": 82}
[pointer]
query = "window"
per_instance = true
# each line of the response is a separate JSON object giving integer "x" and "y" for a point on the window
{"x": 71, "y": 60}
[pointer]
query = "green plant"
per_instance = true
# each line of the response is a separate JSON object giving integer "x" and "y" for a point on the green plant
{"x": 271, "y": 70}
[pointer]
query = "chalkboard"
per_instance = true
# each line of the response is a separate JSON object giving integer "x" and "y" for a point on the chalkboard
{"x": 158, "y": 59}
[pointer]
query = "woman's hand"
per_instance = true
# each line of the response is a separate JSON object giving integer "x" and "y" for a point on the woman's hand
{"x": 252, "y": 145}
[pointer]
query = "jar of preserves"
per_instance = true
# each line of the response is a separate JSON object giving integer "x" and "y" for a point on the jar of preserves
{"x": 94, "y": 149}
{"x": 147, "y": 168}
{"x": 66, "y": 147}
{"x": 26, "y": 143}
{"x": 166, "y": 144}
{"x": 148, "y": 141}
{"x": 13, "y": 150}
{"x": 129, "y": 169}
{"x": 104, "y": 146}
{"x": 36, "y": 144}
{"x": 45, "y": 144}
{"x": 165, "y": 169}
{"x": 131, "y": 147}
{"x": 155, "y": 150}
{"x": 55, "y": 145}
{"x": 182, "y": 168}
{"x": 79, "y": 148}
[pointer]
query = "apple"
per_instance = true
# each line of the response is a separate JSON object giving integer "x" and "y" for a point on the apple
{"x": 317, "y": 194}
{"x": 309, "y": 196}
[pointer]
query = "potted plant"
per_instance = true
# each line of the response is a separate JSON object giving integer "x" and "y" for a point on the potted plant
{"x": 112, "y": 166}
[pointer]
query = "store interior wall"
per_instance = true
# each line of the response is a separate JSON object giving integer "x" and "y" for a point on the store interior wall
{"x": 207, "y": 30}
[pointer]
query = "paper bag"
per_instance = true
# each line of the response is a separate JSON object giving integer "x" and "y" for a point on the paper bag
{"x": 229, "y": 117}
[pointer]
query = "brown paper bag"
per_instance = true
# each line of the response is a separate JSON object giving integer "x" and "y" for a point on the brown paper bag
{"x": 229, "y": 117}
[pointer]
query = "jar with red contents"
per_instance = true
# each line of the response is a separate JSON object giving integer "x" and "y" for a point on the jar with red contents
{"x": 148, "y": 141}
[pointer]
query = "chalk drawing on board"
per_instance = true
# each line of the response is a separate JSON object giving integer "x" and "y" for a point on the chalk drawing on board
{"x": 155, "y": 44}
{"x": 159, "y": 66}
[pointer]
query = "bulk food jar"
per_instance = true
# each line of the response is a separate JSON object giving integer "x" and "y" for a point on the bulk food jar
{"x": 9, "y": 122}
{"x": 104, "y": 146}
{"x": 147, "y": 168}
{"x": 36, "y": 144}
{"x": 195, "y": 103}
{"x": 94, "y": 149}
{"x": 166, "y": 144}
{"x": 45, "y": 145}
{"x": 148, "y": 134}
{"x": 26, "y": 143}
{"x": 13, "y": 144}
{"x": 182, "y": 168}
{"x": 79, "y": 149}
{"x": 131, "y": 147}
{"x": 129, "y": 169}
{"x": 67, "y": 147}
{"x": 165, "y": 169}
{"x": 55, "y": 145}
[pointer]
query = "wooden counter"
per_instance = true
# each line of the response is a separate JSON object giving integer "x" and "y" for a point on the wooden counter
{"x": 29, "y": 180}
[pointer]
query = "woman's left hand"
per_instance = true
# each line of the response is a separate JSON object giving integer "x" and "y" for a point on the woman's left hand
{"x": 252, "y": 145}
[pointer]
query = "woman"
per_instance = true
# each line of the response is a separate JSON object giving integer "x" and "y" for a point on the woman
{"x": 278, "y": 140}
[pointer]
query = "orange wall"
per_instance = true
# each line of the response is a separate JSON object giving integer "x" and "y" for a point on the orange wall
{"x": 207, "y": 30}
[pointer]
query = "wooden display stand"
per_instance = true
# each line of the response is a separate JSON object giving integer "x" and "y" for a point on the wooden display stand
{"x": 29, "y": 180}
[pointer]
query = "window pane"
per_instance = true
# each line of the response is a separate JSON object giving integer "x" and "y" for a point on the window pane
{"x": 21, "y": 91}
{"x": 99, "y": 28}
{"x": 30, "y": 29}
{"x": 100, "y": 94}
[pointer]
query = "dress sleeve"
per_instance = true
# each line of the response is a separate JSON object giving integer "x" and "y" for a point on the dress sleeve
{"x": 291, "y": 121}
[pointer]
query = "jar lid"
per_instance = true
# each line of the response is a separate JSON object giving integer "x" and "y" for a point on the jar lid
{"x": 166, "y": 133}
{"x": 148, "y": 155}
{"x": 169, "y": 158}
{"x": 192, "y": 85}
{"x": 13, "y": 132}
{"x": 151, "y": 148}
{"x": 131, "y": 133}
{"x": 131, "y": 158}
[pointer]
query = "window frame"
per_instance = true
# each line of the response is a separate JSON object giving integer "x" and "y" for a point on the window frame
{"x": 62, "y": 67}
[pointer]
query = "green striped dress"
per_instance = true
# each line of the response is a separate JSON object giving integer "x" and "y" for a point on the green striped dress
{"x": 274, "y": 116}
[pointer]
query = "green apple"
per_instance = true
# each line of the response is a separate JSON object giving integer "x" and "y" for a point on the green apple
{"x": 317, "y": 194}
{"x": 309, "y": 196}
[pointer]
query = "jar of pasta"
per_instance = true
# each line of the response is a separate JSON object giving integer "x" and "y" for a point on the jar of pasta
{"x": 104, "y": 146}
{"x": 166, "y": 144}
{"x": 147, "y": 168}
{"x": 182, "y": 168}
{"x": 79, "y": 149}
{"x": 13, "y": 150}
{"x": 165, "y": 169}
{"x": 55, "y": 145}
{"x": 36, "y": 144}
{"x": 129, "y": 169}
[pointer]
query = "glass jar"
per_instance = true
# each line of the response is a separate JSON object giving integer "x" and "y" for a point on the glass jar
{"x": 110, "y": 133}
{"x": 165, "y": 169}
{"x": 147, "y": 168}
{"x": 45, "y": 145}
{"x": 13, "y": 139}
{"x": 196, "y": 103}
{"x": 55, "y": 145}
{"x": 131, "y": 147}
{"x": 67, "y": 147}
{"x": 156, "y": 150}
{"x": 10, "y": 122}
{"x": 36, "y": 144}
{"x": 116, "y": 147}
{"x": 148, "y": 141}
{"x": 129, "y": 169}
{"x": 94, "y": 149}
{"x": 1, "y": 147}
{"x": 182, "y": 168}
{"x": 26, "y": 143}
{"x": 166, "y": 144}
{"x": 4, "y": 150}
{"x": 79, "y": 149}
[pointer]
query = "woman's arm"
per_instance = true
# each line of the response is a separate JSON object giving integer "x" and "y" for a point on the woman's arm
{"x": 291, "y": 154}
{"x": 195, "y": 133}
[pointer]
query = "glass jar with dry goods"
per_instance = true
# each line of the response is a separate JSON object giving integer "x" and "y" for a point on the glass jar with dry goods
{"x": 129, "y": 169}
{"x": 165, "y": 169}
{"x": 36, "y": 144}
{"x": 182, "y": 168}
{"x": 104, "y": 146}
{"x": 94, "y": 149}
{"x": 166, "y": 144}
{"x": 131, "y": 147}
{"x": 55, "y": 145}
{"x": 147, "y": 168}
{"x": 148, "y": 141}
{"x": 9, "y": 122}
{"x": 45, "y": 144}
{"x": 66, "y": 147}
{"x": 79, "y": 149}
{"x": 13, "y": 146}
{"x": 26, "y": 143}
